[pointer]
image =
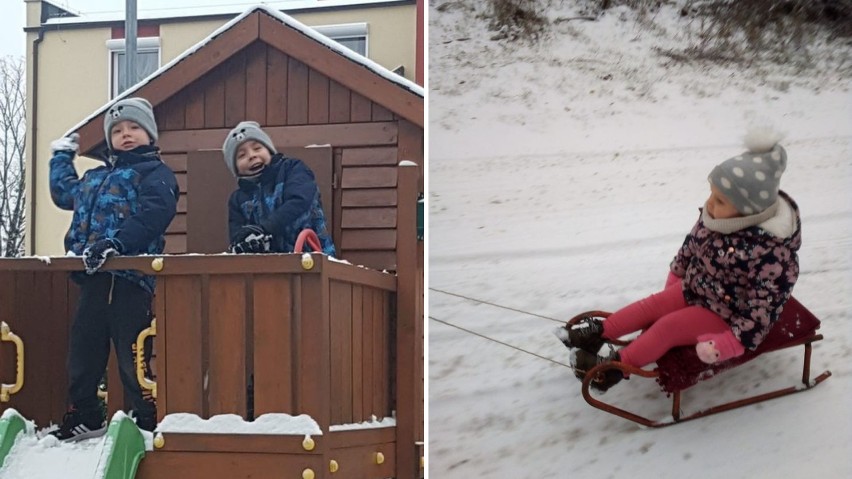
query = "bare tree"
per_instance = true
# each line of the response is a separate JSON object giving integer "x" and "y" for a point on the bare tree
{"x": 12, "y": 169}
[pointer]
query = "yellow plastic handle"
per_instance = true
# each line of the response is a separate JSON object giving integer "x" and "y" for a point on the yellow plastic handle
{"x": 144, "y": 382}
{"x": 6, "y": 390}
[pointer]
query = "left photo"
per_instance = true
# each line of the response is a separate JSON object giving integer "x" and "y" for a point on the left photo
{"x": 212, "y": 239}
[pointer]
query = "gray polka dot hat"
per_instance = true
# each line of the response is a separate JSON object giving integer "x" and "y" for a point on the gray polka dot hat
{"x": 751, "y": 180}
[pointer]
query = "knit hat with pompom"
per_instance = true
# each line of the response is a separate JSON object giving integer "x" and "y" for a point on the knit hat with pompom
{"x": 750, "y": 181}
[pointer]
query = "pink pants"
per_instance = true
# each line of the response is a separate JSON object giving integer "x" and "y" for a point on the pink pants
{"x": 668, "y": 322}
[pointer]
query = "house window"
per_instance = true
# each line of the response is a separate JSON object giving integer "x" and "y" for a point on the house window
{"x": 147, "y": 62}
{"x": 351, "y": 35}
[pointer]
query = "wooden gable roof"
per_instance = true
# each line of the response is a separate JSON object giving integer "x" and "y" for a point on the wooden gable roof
{"x": 278, "y": 32}
{"x": 351, "y": 120}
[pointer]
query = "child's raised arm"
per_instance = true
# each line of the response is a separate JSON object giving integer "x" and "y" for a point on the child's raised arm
{"x": 64, "y": 181}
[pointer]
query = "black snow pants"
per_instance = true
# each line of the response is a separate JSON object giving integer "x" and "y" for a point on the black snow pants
{"x": 109, "y": 308}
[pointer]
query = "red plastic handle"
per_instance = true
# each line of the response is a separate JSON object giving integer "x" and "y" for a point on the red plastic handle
{"x": 312, "y": 239}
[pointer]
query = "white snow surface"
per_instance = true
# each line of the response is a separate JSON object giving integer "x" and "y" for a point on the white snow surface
{"x": 371, "y": 424}
{"x": 233, "y": 424}
{"x": 563, "y": 177}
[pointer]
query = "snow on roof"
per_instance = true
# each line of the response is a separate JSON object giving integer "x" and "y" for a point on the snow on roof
{"x": 286, "y": 20}
{"x": 203, "y": 11}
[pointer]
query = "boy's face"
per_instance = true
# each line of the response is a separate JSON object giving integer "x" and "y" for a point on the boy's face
{"x": 252, "y": 157}
{"x": 127, "y": 135}
{"x": 718, "y": 206}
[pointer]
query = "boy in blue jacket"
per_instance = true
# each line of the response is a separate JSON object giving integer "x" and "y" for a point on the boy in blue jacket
{"x": 120, "y": 208}
{"x": 277, "y": 197}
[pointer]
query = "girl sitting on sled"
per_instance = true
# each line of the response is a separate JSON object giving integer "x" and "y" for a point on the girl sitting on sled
{"x": 727, "y": 284}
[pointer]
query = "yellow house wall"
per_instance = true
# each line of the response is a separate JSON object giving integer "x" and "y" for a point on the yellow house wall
{"x": 73, "y": 82}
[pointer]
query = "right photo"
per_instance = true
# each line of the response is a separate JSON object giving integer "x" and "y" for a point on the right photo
{"x": 639, "y": 238}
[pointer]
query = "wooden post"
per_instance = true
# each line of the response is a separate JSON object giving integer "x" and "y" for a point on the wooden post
{"x": 407, "y": 319}
{"x": 313, "y": 368}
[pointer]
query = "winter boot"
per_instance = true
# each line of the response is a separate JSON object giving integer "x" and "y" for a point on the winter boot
{"x": 81, "y": 424}
{"x": 586, "y": 335}
{"x": 583, "y": 362}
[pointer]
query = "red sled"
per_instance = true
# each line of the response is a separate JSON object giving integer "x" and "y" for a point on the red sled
{"x": 680, "y": 368}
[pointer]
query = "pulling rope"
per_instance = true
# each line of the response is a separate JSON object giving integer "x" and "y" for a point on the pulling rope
{"x": 498, "y": 341}
{"x": 496, "y": 305}
{"x": 492, "y": 339}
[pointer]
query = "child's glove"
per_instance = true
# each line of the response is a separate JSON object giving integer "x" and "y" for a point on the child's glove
{"x": 250, "y": 239}
{"x": 67, "y": 143}
{"x": 245, "y": 231}
{"x": 96, "y": 255}
{"x": 714, "y": 348}
{"x": 253, "y": 243}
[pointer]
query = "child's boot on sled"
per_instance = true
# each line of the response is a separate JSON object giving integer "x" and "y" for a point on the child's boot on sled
{"x": 586, "y": 335}
{"x": 583, "y": 362}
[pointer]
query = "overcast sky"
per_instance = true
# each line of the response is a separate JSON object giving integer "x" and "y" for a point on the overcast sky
{"x": 12, "y": 37}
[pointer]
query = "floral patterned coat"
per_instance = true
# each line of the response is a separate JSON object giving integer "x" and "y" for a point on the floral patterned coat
{"x": 745, "y": 276}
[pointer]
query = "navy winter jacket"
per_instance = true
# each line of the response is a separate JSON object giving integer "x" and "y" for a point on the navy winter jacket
{"x": 284, "y": 200}
{"x": 131, "y": 198}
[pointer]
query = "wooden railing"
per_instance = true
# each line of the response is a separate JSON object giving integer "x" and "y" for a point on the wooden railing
{"x": 311, "y": 341}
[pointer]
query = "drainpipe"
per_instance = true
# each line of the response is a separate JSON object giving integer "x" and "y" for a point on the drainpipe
{"x": 34, "y": 141}
{"x": 130, "y": 74}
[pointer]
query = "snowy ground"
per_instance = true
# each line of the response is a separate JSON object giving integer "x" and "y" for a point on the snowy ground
{"x": 553, "y": 191}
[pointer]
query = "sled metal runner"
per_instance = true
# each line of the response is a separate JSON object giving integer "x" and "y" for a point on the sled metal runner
{"x": 676, "y": 413}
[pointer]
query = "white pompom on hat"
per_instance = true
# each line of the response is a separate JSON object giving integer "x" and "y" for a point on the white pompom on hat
{"x": 751, "y": 180}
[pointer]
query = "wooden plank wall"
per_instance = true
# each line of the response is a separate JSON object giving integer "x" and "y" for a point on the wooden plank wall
{"x": 220, "y": 330}
{"x": 264, "y": 84}
{"x": 361, "y": 340}
{"x": 42, "y": 321}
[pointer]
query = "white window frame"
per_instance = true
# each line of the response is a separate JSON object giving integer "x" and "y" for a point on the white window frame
{"x": 118, "y": 45}
{"x": 348, "y": 30}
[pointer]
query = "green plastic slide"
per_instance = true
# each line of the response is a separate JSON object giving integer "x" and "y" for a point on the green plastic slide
{"x": 10, "y": 426}
{"x": 128, "y": 449}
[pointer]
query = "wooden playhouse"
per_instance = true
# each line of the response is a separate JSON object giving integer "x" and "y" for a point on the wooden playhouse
{"x": 262, "y": 334}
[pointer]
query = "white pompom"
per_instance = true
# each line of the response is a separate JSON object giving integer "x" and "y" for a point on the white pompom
{"x": 761, "y": 140}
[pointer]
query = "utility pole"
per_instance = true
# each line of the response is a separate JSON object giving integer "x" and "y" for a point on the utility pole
{"x": 130, "y": 72}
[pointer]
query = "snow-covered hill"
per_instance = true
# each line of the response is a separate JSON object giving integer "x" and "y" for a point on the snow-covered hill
{"x": 563, "y": 176}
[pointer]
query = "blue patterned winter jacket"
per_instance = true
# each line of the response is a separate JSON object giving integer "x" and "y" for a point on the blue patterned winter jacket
{"x": 284, "y": 200}
{"x": 132, "y": 198}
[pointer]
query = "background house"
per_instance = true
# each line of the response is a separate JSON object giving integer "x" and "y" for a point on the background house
{"x": 74, "y": 68}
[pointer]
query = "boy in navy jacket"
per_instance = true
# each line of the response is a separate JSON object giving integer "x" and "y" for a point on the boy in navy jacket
{"x": 277, "y": 197}
{"x": 120, "y": 208}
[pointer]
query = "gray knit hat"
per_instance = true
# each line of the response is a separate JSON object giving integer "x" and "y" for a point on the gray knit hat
{"x": 137, "y": 110}
{"x": 243, "y": 132}
{"x": 751, "y": 180}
